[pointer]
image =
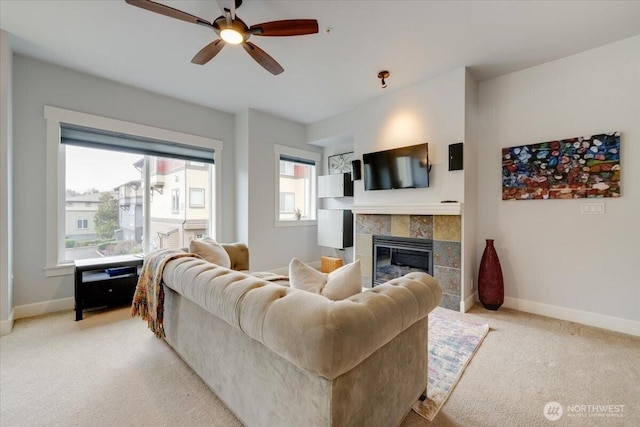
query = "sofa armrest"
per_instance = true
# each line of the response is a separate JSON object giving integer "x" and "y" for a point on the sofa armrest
{"x": 239, "y": 255}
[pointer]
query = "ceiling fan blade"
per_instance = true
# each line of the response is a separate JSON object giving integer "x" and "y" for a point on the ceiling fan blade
{"x": 263, "y": 58}
{"x": 207, "y": 53}
{"x": 167, "y": 11}
{"x": 288, "y": 27}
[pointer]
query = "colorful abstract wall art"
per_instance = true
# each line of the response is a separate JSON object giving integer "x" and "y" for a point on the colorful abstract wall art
{"x": 568, "y": 169}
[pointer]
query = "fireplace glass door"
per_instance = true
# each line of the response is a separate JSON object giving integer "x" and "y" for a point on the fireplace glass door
{"x": 396, "y": 256}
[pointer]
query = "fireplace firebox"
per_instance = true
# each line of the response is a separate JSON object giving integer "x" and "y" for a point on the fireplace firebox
{"x": 396, "y": 256}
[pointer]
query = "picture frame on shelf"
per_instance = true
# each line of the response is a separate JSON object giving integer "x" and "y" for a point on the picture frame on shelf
{"x": 340, "y": 163}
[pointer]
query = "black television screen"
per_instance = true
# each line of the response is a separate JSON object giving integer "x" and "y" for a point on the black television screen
{"x": 405, "y": 167}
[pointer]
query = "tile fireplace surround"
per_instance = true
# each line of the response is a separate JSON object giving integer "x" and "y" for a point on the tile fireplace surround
{"x": 444, "y": 230}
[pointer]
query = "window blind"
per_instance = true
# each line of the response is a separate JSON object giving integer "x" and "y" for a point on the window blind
{"x": 287, "y": 158}
{"x": 96, "y": 138}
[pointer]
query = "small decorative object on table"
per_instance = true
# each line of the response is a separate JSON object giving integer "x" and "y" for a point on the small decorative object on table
{"x": 340, "y": 163}
{"x": 490, "y": 281}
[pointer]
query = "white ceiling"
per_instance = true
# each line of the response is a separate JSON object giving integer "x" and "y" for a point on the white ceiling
{"x": 326, "y": 73}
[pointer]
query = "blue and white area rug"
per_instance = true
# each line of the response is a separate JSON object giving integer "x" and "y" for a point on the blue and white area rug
{"x": 452, "y": 344}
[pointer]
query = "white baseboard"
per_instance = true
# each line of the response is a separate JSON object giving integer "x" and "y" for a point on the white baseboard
{"x": 6, "y": 326}
{"x": 44, "y": 307}
{"x": 617, "y": 324}
{"x": 468, "y": 302}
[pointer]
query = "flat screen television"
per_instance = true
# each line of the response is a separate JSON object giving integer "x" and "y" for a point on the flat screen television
{"x": 405, "y": 167}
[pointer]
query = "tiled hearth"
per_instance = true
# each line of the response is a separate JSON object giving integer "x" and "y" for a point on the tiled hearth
{"x": 444, "y": 230}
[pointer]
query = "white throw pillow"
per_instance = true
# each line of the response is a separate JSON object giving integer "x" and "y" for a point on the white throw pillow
{"x": 211, "y": 251}
{"x": 337, "y": 285}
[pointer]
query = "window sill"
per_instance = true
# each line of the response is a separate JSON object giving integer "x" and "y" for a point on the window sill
{"x": 59, "y": 270}
{"x": 296, "y": 223}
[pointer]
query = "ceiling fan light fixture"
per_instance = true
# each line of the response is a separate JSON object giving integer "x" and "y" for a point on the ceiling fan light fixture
{"x": 232, "y": 30}
{"x": 232, "y": 36}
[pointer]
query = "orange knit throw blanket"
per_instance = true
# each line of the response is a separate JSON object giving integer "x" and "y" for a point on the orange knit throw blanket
{"x": 148, "y": 300}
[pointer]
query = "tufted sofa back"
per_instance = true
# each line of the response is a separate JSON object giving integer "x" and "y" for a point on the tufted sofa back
{"x": 312, "y": 332}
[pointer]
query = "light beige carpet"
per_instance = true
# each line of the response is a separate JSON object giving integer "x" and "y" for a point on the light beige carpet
{"x": 110, "y": 370}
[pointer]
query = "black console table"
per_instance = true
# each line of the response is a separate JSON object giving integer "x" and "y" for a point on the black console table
{"x": 105, "y": 281}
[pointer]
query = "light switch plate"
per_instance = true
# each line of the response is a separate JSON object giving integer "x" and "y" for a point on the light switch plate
{"x": 592, "y": 208}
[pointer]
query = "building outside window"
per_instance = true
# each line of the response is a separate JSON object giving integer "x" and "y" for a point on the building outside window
{"x": 287, "y": 202}
{"x": 107, "y": 187}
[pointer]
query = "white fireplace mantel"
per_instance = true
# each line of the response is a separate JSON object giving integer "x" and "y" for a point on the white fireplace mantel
{"x": 414, "y": 209}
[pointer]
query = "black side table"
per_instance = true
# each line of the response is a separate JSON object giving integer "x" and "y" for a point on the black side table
{"x": 105, "y": 281}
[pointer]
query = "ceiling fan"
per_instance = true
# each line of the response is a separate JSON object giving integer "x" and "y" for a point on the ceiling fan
{"x": 231, "y": 29}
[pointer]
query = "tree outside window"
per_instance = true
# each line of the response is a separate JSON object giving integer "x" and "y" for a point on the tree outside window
{"x": 106, "y": 219}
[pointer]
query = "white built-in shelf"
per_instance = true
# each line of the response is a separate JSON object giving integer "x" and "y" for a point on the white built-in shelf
{"x": 336, "y": 185}
{"x": 417, "y": 209}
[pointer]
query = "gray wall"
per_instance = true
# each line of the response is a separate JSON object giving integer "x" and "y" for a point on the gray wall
{"x": 36, "y": 84}
{"x": 273, "y": 246}
{"x": 556, "y": 260}
{"x": 6, "y": 186}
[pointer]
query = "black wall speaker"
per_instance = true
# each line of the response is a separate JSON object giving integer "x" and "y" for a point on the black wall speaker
{"x": 455, "y": 156}
{"x": 356, "y": 170}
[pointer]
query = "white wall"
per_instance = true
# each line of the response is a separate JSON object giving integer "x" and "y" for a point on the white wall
{"x": 432, "y": 112}
{"x": 6, "y": 185}
{"x": 242, "y": 177}
{"x": 331, "y": 131}
{"x": 273, "y": 246}
{"x": 556, "y": 261}
{"x": 36, "y": 84}
{"x": 470, "y": 258}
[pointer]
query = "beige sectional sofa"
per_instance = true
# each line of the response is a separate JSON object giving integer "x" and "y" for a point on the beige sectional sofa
{"x": 279, "y": 356}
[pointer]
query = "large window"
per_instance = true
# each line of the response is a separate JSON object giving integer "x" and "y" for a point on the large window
{"x": 116, "y": 182}
{"x": 114, "y": 186}
{"x": 296, "y": 185}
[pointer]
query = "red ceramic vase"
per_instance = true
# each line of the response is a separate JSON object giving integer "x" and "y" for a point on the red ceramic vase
{"x": 490, "y": 281}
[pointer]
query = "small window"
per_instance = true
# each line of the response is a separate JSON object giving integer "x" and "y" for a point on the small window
{"x": 82, "y": 224}
{"x": 175, "y": 201}
{"x": 296, "y": 185}
{"x": 196, "y": 197}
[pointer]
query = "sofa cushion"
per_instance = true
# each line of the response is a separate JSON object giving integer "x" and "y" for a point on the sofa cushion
{"x": 211, "y": 251}
{"x": 337, "y": 285}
